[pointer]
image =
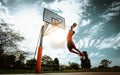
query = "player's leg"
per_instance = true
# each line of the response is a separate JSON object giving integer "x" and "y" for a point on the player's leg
{"x": 74, "y": 47}
{"x": 80, "y": 54}
{"x": 71, "y": 50}
{"x": 78, "y": 51}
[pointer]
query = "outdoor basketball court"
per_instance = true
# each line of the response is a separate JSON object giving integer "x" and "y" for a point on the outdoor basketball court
{"x": 85, "y": 73}
{"x": 75, "y": 73}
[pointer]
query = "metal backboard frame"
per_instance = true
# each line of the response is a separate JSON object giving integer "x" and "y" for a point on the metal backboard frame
{"x": 49, "y": 17}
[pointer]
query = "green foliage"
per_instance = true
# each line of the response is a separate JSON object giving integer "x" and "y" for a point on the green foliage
{"x": 49, "y": 65}
{"x": 30, "y": 64}
{"x": 73, "y": 65}
{"x": 105, "y": 63}
{"x": 8, "y": 37}
{"x": 8, "y": 45}
{"x": 6, "y": 61}
{"x": 56, "y": 61}
{"x": 1, "y": 50}
{"x": 47, "y": 60}
{"x": 22, "y": 57}
{"x": 85, "y": 63}
{"x": 16, "y": 71}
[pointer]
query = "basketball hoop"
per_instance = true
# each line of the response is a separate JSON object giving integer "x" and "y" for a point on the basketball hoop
{"x": 55, "y": 23}
{"x": 52, "y": 22}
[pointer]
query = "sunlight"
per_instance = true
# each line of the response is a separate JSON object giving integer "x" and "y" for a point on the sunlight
{"x": 58, "y": 38}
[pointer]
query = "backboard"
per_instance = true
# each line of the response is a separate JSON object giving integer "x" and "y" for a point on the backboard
{"x": 53, "y": 18}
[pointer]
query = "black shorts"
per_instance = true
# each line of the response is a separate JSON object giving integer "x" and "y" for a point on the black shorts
{"x": 71, "y": 45}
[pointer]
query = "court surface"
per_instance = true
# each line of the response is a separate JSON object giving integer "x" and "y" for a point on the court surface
{"x": 75, "y": 73}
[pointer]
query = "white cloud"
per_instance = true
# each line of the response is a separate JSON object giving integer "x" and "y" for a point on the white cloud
{"x": 113, "y": 10}
{"x": 85, "y": 42}
{"x": 92, "y": 32}
{"x": 91, "y": 43}
{"x": 85, "y": 22}
{"x": 88, "y": 40}
{"x": 108, "y": 16}
{"x": 4, "y": 14}
{"x": 97, "y": 54}
{"x": 101, "y": 43}
{"x": 111, "y": 42}
{"x": 95, "y": 29}
{"x": 115, "y": 6}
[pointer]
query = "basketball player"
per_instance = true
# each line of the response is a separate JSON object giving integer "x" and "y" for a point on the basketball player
{"x": 70, "y": 44}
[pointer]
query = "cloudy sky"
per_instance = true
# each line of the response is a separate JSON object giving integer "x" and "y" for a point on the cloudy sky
{"x": 98, "y": 30}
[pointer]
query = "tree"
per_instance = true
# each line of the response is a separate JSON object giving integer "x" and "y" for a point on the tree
{"x": 105, "y": 63}
{"x": 73, "y": 65}
{"x": 1, "y": 50}
{"x": 47, "y": 60}
{"x": 48, "y": 64}
{"x": 8, "y": 43}
{"x": 11, "y": 60}
{"x": 116, "y": 67}
{"x": 22, "y": 57}
{"x": 31, "y": 64}
{"x": 56, "y": 63}
{"x": 8, "y": 37}
{"x": 85, "y": 63}
{"x": 6, "y": 61}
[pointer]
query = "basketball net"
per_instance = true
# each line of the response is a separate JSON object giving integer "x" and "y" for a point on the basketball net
{"x": 51, "y": 27}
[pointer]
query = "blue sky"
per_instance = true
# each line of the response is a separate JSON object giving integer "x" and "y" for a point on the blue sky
{"x": 98, "y": 30}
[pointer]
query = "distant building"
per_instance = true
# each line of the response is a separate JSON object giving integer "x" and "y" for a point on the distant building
{"x": 51, "y": 67}
{"x": 62, "y": 67}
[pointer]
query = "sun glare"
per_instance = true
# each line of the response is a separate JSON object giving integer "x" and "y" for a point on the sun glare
{"x": 58, "y": 38}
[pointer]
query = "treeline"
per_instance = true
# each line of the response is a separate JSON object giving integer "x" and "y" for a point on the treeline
{"x": 104, "y": 66}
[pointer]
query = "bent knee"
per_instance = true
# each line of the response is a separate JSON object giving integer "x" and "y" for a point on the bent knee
{"x": 70, "y": 50}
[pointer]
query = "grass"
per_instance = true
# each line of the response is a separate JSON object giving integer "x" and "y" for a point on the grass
{"x": 10, "y": 71}
{"x": 16, "y": 71}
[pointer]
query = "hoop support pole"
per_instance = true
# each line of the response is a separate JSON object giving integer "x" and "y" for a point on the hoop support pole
{"x": 39, "y": 55}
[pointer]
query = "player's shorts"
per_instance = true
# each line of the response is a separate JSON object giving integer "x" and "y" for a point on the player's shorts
{"x": 71, "y": 45}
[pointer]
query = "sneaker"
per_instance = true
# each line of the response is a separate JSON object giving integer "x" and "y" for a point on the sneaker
{"x": 83, "y": 57}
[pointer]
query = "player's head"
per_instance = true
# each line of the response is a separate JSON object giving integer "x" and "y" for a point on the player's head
{"x": 74, "y": 25}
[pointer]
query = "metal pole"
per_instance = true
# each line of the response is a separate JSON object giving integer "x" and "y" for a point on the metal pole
{"x": 39, "y": 55}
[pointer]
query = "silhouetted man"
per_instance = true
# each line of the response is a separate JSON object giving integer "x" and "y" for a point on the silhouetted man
{"x": 70, "y": 44}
